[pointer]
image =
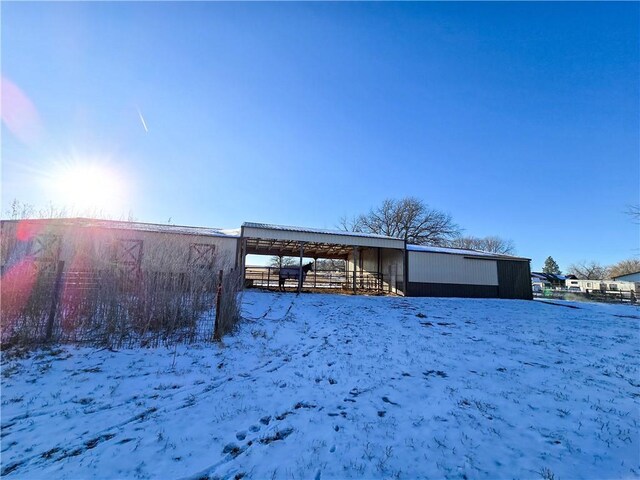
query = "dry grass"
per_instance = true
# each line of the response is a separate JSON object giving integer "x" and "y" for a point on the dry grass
{"x": 230, "y": 300}
{"x": 105, "y": 303}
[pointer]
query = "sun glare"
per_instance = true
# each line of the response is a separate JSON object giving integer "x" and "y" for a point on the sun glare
{"x": 88, "y": 187}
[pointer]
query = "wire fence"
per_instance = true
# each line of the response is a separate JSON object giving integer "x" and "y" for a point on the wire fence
{"x": 114, "y": 307}
{"x": 609, "y": 296}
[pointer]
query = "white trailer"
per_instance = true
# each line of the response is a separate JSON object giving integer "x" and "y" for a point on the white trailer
{"x": 602, "y": 286}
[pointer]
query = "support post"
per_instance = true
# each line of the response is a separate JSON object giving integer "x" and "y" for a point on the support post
{"x": 216, "y": 325}
{"x": 354, "y": 269}
{"x": 405, "y": 270}
{"x": 315, "y": 272}
{"x": 379, "y": 275}
{"x": 300, "y": 267}
{"x": 345, "y": 284}
{"x": 244, "y": 262}
{"x": 268, "y": 278}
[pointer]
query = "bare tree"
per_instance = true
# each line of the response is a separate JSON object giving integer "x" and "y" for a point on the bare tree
{"x": 634, "y": 212}
{"x": 491, "y": 244}
{"x": 409, "y": 218}
{"x": 331, "y": 264}
{"x": 350, "y": 224}
{"x": 624, "y": 267}
{"x": 589, "y": 270}
{"x": 279, "y": 262}
{"x": 18, "y": 210}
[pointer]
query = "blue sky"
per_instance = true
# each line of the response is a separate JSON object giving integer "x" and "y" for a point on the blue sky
{"x": 519, "y": 119}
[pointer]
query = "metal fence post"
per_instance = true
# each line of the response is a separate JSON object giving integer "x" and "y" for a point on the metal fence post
{"x": 216, "y": 326}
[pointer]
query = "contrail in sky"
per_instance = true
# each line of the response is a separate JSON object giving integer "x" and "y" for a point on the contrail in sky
{"x": 144, "y": 124}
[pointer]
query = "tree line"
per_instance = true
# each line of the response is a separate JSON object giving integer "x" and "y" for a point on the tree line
{"x": 592, "y": 270}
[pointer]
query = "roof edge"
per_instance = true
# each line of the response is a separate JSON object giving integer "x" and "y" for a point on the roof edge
{"x": 465, "y": 252}
{"x": 86, "y": 221}
{"x": 268, "y": 226}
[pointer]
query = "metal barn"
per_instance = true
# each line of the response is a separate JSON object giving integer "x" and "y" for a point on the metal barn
{"x": 89, "y": 244}
{"x": 452, "y": 272}
{"x": 374, "y": 263}
{"x": 389, "y": 265}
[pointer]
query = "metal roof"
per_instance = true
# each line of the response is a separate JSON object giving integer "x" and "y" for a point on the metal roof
{"x": 463, "y": 251}
{"x": 138, "y": 226}
{"x": 315, "y": 230}
{"x": 291, "y": 248}
{"x": 630, "y": 274}
{"x": 267, "y": 239}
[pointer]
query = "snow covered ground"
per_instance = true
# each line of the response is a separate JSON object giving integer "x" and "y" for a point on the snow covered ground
{"x": 322, "y": 386}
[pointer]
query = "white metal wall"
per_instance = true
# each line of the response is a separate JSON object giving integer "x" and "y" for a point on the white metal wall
{"x": 391, "y": 266}
{"x": 392, "y": 270}
{"x": 429, "y": 267}
{"x": 161, "y": 251}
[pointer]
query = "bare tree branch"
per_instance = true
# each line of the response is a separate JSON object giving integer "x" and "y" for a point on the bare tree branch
{"x": 279, "y": 262}
{"x": 624, "y": 267}
{"x": 408, "y": 218}
{"x": 589, "y": 270}
{"x": 492, "y": 244}
{"x": 634, "y": 212}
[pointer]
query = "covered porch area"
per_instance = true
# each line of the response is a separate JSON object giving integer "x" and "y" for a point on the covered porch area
{"x": 372, "y": 263}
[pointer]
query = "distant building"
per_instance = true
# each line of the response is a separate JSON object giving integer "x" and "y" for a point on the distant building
{"x": 603, "y": 286}
{"x": 628, "y": 277}
{"x": 540, "y": 280}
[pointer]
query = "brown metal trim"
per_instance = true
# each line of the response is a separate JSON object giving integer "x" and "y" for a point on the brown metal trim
{"x": 419, "y": 289}
{"x": 514, "y": 280}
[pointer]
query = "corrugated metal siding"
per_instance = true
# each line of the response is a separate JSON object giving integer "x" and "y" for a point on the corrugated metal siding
{"x": 335, "y": 239}
{"x": 93, "y": 247}
{"x": 427, "y": 267}
{"x": 514, "y": 279}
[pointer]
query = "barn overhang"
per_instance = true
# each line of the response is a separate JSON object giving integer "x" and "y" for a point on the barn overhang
{"x": 262, "y": 239}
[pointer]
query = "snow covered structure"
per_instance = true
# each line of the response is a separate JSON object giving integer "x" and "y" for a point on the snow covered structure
{"x": 410, "y": 270}
{"x": 369, "y": 258}
{"x": 453, "y": 272}
{"x": 550, "y": 280}
{"x": 629, "y": 277}
{"x": 90, "y": 244}
{"x": 373, "y": 262}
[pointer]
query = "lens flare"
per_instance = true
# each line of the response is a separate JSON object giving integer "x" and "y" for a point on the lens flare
{"x": 19, "y": 114}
